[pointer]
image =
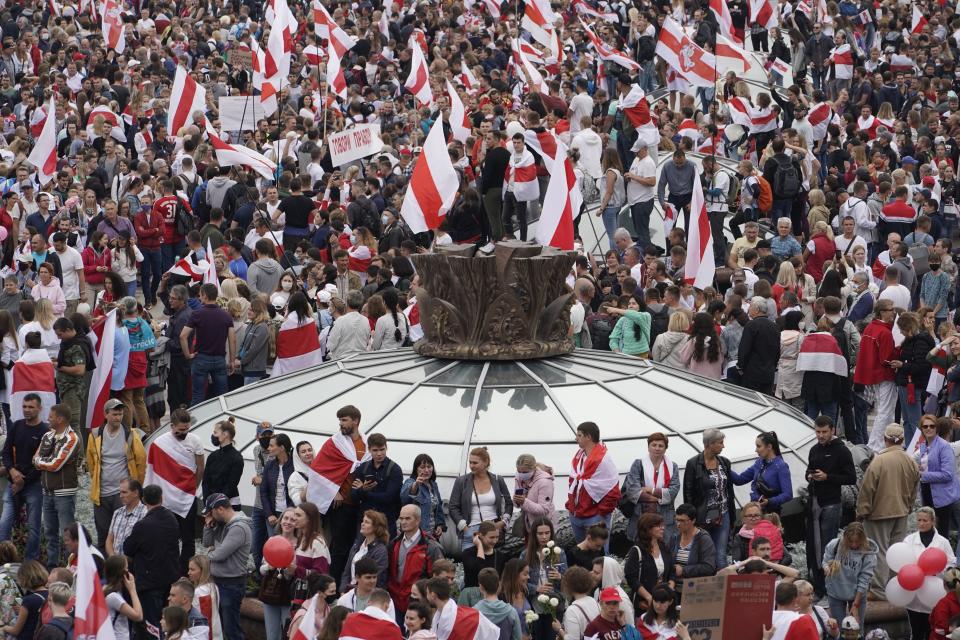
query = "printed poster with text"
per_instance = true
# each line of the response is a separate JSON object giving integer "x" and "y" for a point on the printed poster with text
{"x": 728, "y": 606}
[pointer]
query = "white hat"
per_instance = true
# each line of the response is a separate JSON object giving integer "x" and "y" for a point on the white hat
{"x": 323, "y": 297}
{"x": 850, "y": 624}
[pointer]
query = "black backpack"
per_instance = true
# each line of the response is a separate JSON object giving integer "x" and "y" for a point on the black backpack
{"x": 787, "y": 182}
{"x": 601, "y": 326}
{"x": 646, "y": 48}
{"x": 659, "y": 321}
{"x": 183, "y": 219}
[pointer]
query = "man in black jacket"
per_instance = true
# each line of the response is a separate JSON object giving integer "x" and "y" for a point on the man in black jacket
{"x": 491, "y": 180}
{"x": 817, "y": 50}
{"x": 154, "y": 548}
{"x": 830, "y": 466}
{"x": 759, "y": 349}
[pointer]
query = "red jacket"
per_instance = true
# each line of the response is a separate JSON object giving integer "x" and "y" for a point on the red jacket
{"x": 418, "y": 565}
{"x": 940, "y": 617}
{"x": 876, "y": 352}
{"x": 90, "y": 263}
{"x": 824, "y": 249}
{"x": 165, "y": 209}
{"x": 149, "y": 231}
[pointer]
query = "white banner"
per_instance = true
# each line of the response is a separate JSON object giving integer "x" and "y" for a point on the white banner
{"x": 241, "y": 113}
{"x": 354, "y": 143}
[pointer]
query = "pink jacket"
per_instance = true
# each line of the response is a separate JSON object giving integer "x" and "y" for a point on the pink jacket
{"x": 539, "y": 502}
{"x": 51, "y": 292}
{"x": 768, "y": 530}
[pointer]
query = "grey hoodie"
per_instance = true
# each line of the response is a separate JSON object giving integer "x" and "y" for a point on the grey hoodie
{"x": 217, "y": 190}
{"x": 667, "y": 347}
{"x": 496, "y": 611}
{"x": 264, "y": 275}
{"x": 231, "y": 546}
{"x": 856, "y": 569}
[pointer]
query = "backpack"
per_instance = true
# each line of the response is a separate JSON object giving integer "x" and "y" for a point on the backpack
{"x": 61, "y": 626}
{"x": 659, "y": 321}
{"x": 585, "y": 339}
{"x": 601, "y": 326}
{"x": 838, "y": 334}
{"x": 765, "y": 197}
{"x": 189, "y": 186}
{"x": 183, "y": 220}
{"x": 733, "y": 192}
{"x": 588, "y": 189}
{"x": 646, "y": 48}
{"x": 786, "y": 180}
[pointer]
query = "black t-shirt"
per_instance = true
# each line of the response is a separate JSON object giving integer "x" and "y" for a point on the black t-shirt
{"x": 297, "y": 209}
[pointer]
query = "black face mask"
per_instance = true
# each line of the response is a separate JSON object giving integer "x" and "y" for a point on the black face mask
{"x": 180, "y": 436}
{"x": 934, "y": 266}
{"x": 331, "y": 599}
{"x": 215, "y": 440}
{"x": 264, "y": 442}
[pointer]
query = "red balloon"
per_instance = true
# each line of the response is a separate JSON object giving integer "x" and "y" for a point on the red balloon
{"x": 932, "y": 561}
{"x": 278, "y": 552}
{"x": 910, "y": 577}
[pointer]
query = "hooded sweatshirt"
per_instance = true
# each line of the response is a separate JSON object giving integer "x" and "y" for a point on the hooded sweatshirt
{"x": 667, "y": 348}
{"x": 590, "y": 146}
{"x": 217, "y": 190}
{"x": 539, "y": 502}
{"x": 231, "y": 546}
{"x": 613, "y": 576}
{"x": 263, "y": 275}
{"x": 856, "y": 569}
{"x": 496, "y": 611}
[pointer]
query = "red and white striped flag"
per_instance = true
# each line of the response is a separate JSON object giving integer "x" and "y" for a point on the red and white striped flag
{"x": 522, "y": 172}
{"x": 322, "y": 20}
{"x": 459, "y": 123}
{"x": 555, "y": 227}
{"x": 680, "y": 52}
{"x": 784, "y": 69}
{"x": 585, "y": 8}
{"x": 669, "y": 218}
{"x": 308, "y": 623}
{"x": 538, "y": 19}
{"x": 433, "y": 184}
{"x": 608, "y": 53}
{"x": 109, "y": 117}
{"x": 298, "y": 345}
{"x": 688, "y": 129}
{"x": 699, "y": 268}
{"x": 637, "y": 110}
{"x": 187, "y": 267}
{"x": 210, "y": 275}
{"x": 370, "y": 624}
{"x": 186, "y": 97}
{"x": 819, "y": 119}
{"x": 336, "y": 460}
{"x": 314, "y": 54}
{"x": 595, "y": 474}
{"x": 32, "y": 373}
{"x": 493, "y": 8}
{"x": 91, "y": 615}
{"x": 418, "y": 82}
{"x": 37, "y": 119}
{"x": 454, "y": 622}
{"x": 919, "y": 20}
{"x": 173, "y": 467}
{"x": 467, "y": 79}
{"x": 229, "y": 155}
{"x": 412, "y": 311}
{"x": 262, "y": 66}
{"x": 529, "y": 75}
{"x": 102, "y": 333}
{"x": 842, "y": 59}
{"x": 112, "y": 26}
{"x": 731, "y": 56}
{"x": 763, "y": 13}
{"x": 531, "y": 52}
{"x": 44, "y": 153}
{"x": 820, "y": 352}
{"x": 724, "y": 19}
{"x": 335, "y": 79}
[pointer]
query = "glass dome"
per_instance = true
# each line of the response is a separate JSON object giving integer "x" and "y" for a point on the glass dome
{"x": 446, "y": 407}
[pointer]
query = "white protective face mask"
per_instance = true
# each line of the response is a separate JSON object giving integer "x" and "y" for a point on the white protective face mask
{"x": 286, "y": 286}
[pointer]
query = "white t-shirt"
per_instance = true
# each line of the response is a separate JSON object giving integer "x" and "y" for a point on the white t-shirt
{"x": 280, "y": 500}
{"x": 483, "y": 507}
{"x": 581, "y": 105}
{"x": 121, "y": 625}
{"x": 842, "y": 243}
{"x": 70, "y": 263}
{"x": 190, "y": 445}
{"x": 637, "y": 192}
{"x": 899, "y": 294}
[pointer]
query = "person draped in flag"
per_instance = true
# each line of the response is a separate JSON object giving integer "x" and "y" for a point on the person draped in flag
{"x": 298, "y": 343}
{"x": 594, "y": 488}
{"x": 520, "y": 186}
{"x": 175, "y": 461}
{"x": 454, "y": 622}
{"x": 374, "y": 622}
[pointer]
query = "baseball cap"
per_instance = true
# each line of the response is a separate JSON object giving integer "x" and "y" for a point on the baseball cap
{"x": 925, "y": 193}
{"x": 213, "y": 501}
{"x": 893, "y": 433}
{"x": 323, "y": 297}
{"x": 610, "y": 594}
{"x": 850, "y": 624}
{"x": 262, "y": 429}
{"x": 113, "y": 403}
{"x": 908, "y": 160}
{"x": 929, "y": 181}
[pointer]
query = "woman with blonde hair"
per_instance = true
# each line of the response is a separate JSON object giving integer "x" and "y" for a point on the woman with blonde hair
{"x": 786, "y": 281}
{"x": 849, "y": 562}
{"x": 818, "y": 209}
{"x": 42, "y": 322}
{"x": 668, "y": 346}
{"x": 612, "y": 191}
{"x": 253, "y": 343}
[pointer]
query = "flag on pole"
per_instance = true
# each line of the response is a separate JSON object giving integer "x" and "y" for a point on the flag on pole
{"x": 210, "y": 275}
{"x": 680, "y": 52}
{"x": 418, "y": 82}
{"x": 538, "y": 19}
{"x": 919, "y": 20}
{"x": 336, "y": 460}
{"x": 91, "y": 615}
{"x": 112, "y": 26}
{"x": 433, "y": 184}
{"x": 186, "y": 97}
{"x": 724, "y": 19}
{"x": 585, "y": 8}
{"x": 699, "y": 268}
{"x": 44, "y": 153}
{"x": 731, "y": 56}
{"x": 103, "y": 332}
{"x": 608, "y": 53}
{"x": 459, "y": 123}
{"x": 555, "y": 227}
{"x": 229, "y": 155}
{"x": 762, "y": 12}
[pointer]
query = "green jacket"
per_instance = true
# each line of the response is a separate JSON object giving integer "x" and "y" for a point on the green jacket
{"x": 624, "y": 338}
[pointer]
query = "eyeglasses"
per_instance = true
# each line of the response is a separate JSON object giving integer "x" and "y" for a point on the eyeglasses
{"x": 751, "y": 515}
{"x": 928, "y": 426}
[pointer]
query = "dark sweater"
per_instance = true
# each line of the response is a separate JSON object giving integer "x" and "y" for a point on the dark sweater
{"x": 835, "y": 460}
{"x": 385, "y": 496}
{"x": 22, "y": 442}
{"x": 154, "y": 547}
{"x": 472, "y": 565}
{"x": 577, "y": 557}
{"x": 222, "y": 472}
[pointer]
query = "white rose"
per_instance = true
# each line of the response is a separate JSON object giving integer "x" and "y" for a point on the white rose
{"x": 545, "y": 552}
{"x": 551, "y": 544}
{"x": 554, "y": 603}
{"x": 556, "y": 551}
{"x": 543, "y": 599}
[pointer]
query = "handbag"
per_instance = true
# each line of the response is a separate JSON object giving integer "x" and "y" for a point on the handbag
{"x": 762, "y": 487}
{"x": 626, "y": 506}
{"x": 274, "y": 588}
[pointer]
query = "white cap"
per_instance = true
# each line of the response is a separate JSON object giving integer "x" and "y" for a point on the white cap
{"x": 850, "y": 624}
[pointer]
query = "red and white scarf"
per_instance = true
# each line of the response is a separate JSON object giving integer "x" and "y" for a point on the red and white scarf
{"x": 658, "y": 478}
{"x": 595, "y": 473}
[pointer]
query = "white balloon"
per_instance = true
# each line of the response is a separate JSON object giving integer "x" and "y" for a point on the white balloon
{"x": 931, "y": 591}
{"x": 900, "y": 555}
{"x": 897, "y": 595}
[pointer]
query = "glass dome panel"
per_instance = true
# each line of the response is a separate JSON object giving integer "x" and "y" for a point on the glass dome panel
{"x": 730, "y": 399}
{"x": 786, "y": 427}
{"x": 553, "y": 375}
{"x": 499, "y": 412}
{"x": 375, "y": 397}
{"x": 661, "y": 405}
{"x": 616, "y": 417}
{"x": 462, "y": 374}
{"x": 419, "y": 370}
{"x": 427, "y": 401}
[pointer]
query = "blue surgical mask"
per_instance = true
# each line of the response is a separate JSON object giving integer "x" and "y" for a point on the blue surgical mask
{"x": 524, "y": 476}
{"x": 385, "y": 220}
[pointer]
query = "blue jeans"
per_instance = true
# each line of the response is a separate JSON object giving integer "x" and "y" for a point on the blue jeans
{"x": 258, "y": 537}
{"x": 214, "y": 367}
{"x": 151, "y": 270}
{"x": 232, "y": 591}
{"x": 580, "y": 526}
{"x": 32, "y": 496}
{"x": 131, "y": 288}
{"x": 58, "y": 513}
{"x": 840, "y": 607}
{"x": 466, "y": 536}
{"x": 610, "y": 215}
{"x": 816, "y": 409}
{"x": 252, "y": 377}
{"x": 720, "y": 534}
{"x": 780, "y": 209}
{"x": 170, "y": 253}
{"x": 861, "y": 410}
{"x": 640, "y": 214}
{"x": 274, "y": 617}
{"x": 827, "y": 527}
{"x": 910, "y": 412}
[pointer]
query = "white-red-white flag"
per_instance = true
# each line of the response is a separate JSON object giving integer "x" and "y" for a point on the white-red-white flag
{"x": 724, "y": 19}
{"x": 187, "y": 267}
{"x": 229, "y": 155}
{"x": 842, "y": 59}
{"x": 680, "y": 52}
{"x": 370, "y": 624}
{"x": 584, "y": 8}
{"x": 44, "y": 153}
{"x": 700, "y": 267}
{"x": 109, "y": 117}
{"x": 336, "y": 82}
{"x": 608, "y": 53}
{"x": 433, "y": 184}
{"x": 308, "y": 623}
{"x": 467, "y": 79}
{"x": 637, "y": 110}
{"x": 454, "y": 622}
{"x": 418, "y": 82}
{"x": 103, "y": 332}
{"x": 821, "y": 352}
{"x": 112, "y": 26}
{"x": 459, "y": 123}
{"x": 336, "y": 460}
{"x": 669, "y": 218}
{"x": 32, "y": 373}
{"x": 731, "y": 56}
{"x": 91, "y": 615}
{"x": 298, "y": 345}
{"x": 784, "y": 69}
{"x": 539, "y": 19}
{"x": 819, "y": 118}
{"x": 173, "y": 467}
{"x": 555, "y": 227}
{"x": 919, "y": 20}
{"x": 493, "y": 8}
{"x": 322, "y": 20}
{"x": 529, "y": 75}
{"x": 763, "y": 13}
{"x": 261, "y": 66}
{"x": 210, "y": 275}
{"x": 186, "y": 97}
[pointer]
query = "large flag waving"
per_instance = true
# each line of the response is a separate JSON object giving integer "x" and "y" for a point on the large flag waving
{"x": 112, "y": 26}
{"x": 173, "y": 468}
{"x": 186, "y": 97}
{"x": 680, "y": 52}
{"x": 32, "y": 373}
{"x": 433, "y": 184}
{"x": 102, "y": 375}
{"x": 762, "y": 12}
{"x": 699, "y": 268}
{"x": 724, "y": 19}
{"x": 459, "y": 123}
{"x": 92, "y": 616}
{"x": 298, "y": 345}
{"x": 418, "y": 82}
{"x": 637, "y": 110}
{"x": 538, "y": 19}
{"x": 731, "y": 56}
{"x": 919, "y": 20}
{"x": 229, "y": 155}
{"x": 44, "y": 153}
{"x": 608, "y": 53}
{"x": 555, "y": 227}
{"x": 336, "y": 460}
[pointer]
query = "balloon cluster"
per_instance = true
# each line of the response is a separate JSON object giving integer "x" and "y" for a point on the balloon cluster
{"x": 918, "y": 579}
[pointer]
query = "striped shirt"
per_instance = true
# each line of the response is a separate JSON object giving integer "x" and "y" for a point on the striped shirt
{"x": 122, "y": 524}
